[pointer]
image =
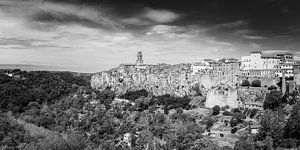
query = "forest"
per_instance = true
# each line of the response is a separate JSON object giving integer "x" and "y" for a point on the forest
{"x": 59, "y": 110}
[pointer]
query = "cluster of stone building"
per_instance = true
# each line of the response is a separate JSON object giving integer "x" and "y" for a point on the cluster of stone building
{"x": 159, "y": 79}
{"x": 258, "y": 64}
{"x": 178, "y": 79}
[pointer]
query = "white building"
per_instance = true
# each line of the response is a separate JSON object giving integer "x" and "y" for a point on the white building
{"x": 260, "y": 64}
{"x": 198, "y": 67}
{"x": 204, "y": 65}
{"x": 287, "y": 68}
{"x": 256, "y": 61}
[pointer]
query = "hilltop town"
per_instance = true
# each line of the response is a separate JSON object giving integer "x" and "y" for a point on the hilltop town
{"x": 179, "y": 79}
{"x": 220, "y": 104}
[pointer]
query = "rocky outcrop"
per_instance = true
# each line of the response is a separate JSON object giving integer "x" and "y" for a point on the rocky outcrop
{"x": 222, "y": 97}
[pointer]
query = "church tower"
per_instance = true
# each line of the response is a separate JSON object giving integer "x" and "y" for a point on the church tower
{"x": 139, "y": 60}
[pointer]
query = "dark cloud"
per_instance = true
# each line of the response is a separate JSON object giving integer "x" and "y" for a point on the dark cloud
{"x": 269, "y": 16}
{"x": 115, "y": 29}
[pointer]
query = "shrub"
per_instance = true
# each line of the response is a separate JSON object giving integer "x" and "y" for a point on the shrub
{"x": 236, "y": 110}
{"x": 273, "y": 100}
{"x": 227, "y": 113}
{"x": 245, "y": 83}
{"x": 253, "y": 113}
{"x": 225, "y": 107}
{"x": 272, "y": 87}
{"x": 133, "y": 95}
{"x": 216, "y": 110}
{"x": 233, "y": 130}
{"x": 256, "y": 83}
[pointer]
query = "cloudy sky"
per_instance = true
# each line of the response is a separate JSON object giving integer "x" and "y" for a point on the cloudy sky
{"x": 95, "y": 35}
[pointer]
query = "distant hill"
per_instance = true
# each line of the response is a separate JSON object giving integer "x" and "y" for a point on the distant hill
{"x": 30, "y": 67}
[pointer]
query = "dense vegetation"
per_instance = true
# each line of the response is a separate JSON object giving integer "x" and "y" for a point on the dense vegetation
{"x": 256, "y": 83}
{"x": 17, "y": 91}
{"x": 59, "y": 110}
{"x": 276, "y": 131}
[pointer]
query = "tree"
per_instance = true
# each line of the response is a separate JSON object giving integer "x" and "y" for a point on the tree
{"x": 245, "y": 143}
{"x": 209, "y": 122}
{"x": 204, "y": 143}
{"x": 253, "y": 113}
{"x": 106, "y": 97}
{"x": 133, "y": 95}
{"x": 272, "y": 87}
{"x": 273, "y": 100}
{"x": 216, "y": 110}
{"x": 256, "y": 83}
{"x": 272, "y": 124}
{"x": 245, "y": 83}
{"x": 292, "y": 128}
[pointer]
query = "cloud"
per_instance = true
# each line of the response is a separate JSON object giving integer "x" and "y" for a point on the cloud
{"x": 43, "y": 11}
{"x": 161, "y": 16}
{"x": 276, "y": 51}
{"x": 253, "y": 37}
{"x": 91, "y": 39}
{"x": 12, "y": 46}
{"x": 137, "y": 21}
{"x": 234, "y": 24}
{"x": 255, "y": 46}
{"x": 151, "y": 16}
{"x": 169, "y": 31}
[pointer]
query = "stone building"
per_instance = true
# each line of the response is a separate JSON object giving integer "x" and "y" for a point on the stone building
{"x": 227, "y": 69}
{"x": 296, "y": 71}
{"x": 260, "y": 64}
{"x": 201, "y": 68}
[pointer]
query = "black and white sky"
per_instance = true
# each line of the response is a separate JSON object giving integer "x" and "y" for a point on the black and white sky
{"x": 95, "y": 35}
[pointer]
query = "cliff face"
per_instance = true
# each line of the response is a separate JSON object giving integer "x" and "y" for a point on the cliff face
{"x": 222, "y": 97}
{"x": 252, "y": 94}
{"x": 235, "y": 97}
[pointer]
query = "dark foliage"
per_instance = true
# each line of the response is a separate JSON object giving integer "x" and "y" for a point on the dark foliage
{"x": 216, "y": 110}
{"x": 36, "y": 86}
{"x": 253, "y": 113}
{"x": 273, "y": 100}
{"x": 256, "y": 83}
{"x": 11, "y": 134}
{"x": 292, "y": 128}
{"x": 272, "y": 87}
{"x": 133, "y": 95}
{"x": 237, "y": 118}
{"x": 228, "y": 113}
{"x": 171, "y": 102}
{"x": 245, "y": 83}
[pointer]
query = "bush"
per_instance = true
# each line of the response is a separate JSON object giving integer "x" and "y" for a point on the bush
{"x": 216, "y": 110}
{"x": 245, "y": 83}
{"x": 233, "y": 130}
{"x": 236, "y": 110}
{"x": 256, "y": 83}
{"x": 272, "y": 100}
{"x": 253, "y": 113}
{"x": 225, "y": 107}
{"x": 133, "y": 95}
{"x": 227, "y": 113}
{"x": 272, "y": 87}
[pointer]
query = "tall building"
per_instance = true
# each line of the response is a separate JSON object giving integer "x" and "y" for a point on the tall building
{"x": 297, "y": 76}
{"x": 259, "y": 64}
{"x": 203, "y": 67}
{"x": 139, "y": 60}
{"x": 227, "y": 69}
{"x": 257, "y": 61}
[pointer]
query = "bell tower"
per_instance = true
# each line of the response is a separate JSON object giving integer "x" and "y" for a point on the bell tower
{"x": 139, "y": 59}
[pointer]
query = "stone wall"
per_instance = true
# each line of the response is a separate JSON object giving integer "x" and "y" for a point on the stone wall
{"x": 222, "y": 97}
{"x": 253, "y": 94}
{"x": 234, "y": 97}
